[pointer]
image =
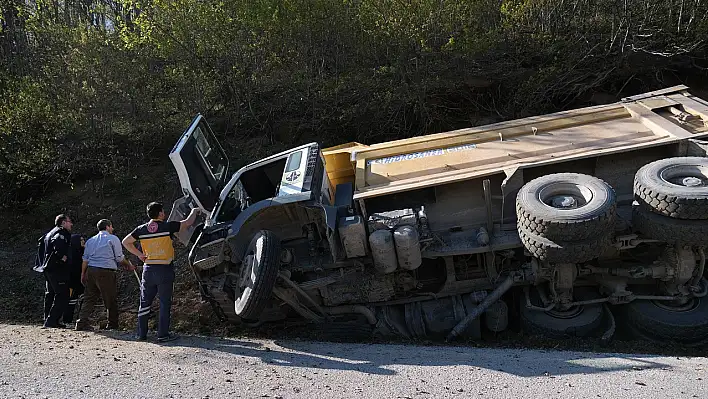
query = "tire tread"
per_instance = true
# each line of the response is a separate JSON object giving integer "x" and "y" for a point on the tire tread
{"x": 669, "y": 230}
{"x": 545, "y": 329}
{"x": 564, "y": 251}
{"x": 646, "y": 322}
{"x": 662, "y": 199}
{"x": 565, "y": 229}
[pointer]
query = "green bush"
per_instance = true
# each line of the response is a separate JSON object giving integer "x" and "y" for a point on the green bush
{"x": 103, "y": 89}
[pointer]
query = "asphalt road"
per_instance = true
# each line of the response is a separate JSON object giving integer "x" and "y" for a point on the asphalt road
{"x": 36, "y": 363}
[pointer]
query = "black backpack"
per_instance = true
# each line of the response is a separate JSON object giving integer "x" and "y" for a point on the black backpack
{"x": 40, "y": 261}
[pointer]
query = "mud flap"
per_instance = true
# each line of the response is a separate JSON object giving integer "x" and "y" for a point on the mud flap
{"x": 694, "y": 148}
{"x": 510, "y": 186}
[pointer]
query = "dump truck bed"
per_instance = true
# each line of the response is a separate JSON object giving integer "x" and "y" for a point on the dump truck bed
{"x": 652, "y": 119}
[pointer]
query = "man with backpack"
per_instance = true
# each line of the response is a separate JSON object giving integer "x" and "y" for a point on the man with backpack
{"x": 52, "y": 257}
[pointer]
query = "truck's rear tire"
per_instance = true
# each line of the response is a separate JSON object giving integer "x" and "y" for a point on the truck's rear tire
{"x": 565, "y": 251}
{"x": 566, "y": 206}
{"x": 580, "y": 321}
{"x": 662, "y": 322}
{"x": 674, "y": 187}
{"x": 259, "y": 272}
{"x": 666, "y": 229}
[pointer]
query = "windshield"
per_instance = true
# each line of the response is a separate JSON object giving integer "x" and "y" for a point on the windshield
{"x": 234, "y": 203}
{"x": 261, "y": 181}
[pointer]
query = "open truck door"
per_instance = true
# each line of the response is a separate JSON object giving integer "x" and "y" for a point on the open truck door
{"x": 202, "y": 166}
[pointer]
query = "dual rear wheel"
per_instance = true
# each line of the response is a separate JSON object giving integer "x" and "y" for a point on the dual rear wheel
{"x": 672, "y": 197}
{"x": 570, "y": 218}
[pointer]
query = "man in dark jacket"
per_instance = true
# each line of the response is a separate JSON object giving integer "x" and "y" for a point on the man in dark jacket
{"x": 76, "y": 288}
{"x": 56, "y": 247}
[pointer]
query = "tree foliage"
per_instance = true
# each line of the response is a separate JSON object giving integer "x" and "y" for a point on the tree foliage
{"x": 93, "y": 88}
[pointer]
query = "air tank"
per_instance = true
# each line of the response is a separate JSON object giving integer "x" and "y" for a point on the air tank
{"x": 383, "y": 251}
{"x": 407, "y": 247}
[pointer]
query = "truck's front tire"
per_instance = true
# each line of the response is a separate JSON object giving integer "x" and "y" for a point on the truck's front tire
{"x": 259, "y": 272}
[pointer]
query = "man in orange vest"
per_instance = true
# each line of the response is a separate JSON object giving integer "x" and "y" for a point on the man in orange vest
{"x": 157, "y": 253}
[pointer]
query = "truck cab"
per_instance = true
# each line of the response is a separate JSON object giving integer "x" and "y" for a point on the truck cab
{"x": 202, "y": 167}
{"x": 261, "y": 190}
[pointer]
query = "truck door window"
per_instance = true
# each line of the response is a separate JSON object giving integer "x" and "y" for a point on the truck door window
{"x": 233, "y": 204}
{"x": 210, "y": 157}
{"x": 294, "y": 162}
{"x": 262, "y": 182}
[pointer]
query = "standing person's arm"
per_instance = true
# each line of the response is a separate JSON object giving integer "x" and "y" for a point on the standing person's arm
{"x": 186, "y": 223}
{"x": 88, "y": 250}
{"x": 84, "y": 269}
{"x": 127, "y": 265}
{"x": 61, "y": 247}
{"x": 129, "y": 244}
{"x": 118, "y": 254}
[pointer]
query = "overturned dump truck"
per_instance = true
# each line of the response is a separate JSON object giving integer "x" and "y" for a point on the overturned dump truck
{"x": 575, "y": 220}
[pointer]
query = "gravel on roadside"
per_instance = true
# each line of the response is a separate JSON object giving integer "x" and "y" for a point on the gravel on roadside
{"x": 37, "y": 363}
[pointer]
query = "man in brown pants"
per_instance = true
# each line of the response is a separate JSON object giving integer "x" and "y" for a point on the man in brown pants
{"x": 102, "y": 255}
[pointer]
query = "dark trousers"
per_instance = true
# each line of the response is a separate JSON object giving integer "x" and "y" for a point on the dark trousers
{"x": 56, "y": 297}
{"x": 100, "y": 283}
{"x": 157, "y": 280}
{"x": 75, "y": 295}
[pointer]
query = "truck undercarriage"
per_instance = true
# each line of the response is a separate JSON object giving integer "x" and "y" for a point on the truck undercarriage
{"x": 590, "y": 217}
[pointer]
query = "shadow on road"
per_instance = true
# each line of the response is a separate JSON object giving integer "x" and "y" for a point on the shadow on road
{"x": 387, "y": 359}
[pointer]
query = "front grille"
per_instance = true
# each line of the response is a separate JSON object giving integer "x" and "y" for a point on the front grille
{"x": 208, "y": 263}
{"x": 313, "y": 172}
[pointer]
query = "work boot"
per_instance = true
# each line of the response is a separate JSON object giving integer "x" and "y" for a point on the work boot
{"x": 80, "y": 327}
{"x": 58, "y": 325}
{"x": 167, "y": 338}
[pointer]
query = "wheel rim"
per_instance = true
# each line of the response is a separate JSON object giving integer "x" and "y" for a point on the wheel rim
{"x": 689, "y": 306}
{"x": 244, "y": 277}
{"x": 574, "y": 321}
{"x": 569, "y": 313}
{"x": 690, "y": 176}
{"x": 558, "y": 312}
{"x": 565, "y": 195}
{"x": 247, "y": 275}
